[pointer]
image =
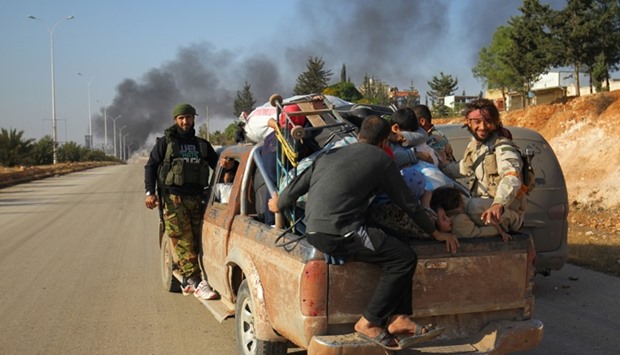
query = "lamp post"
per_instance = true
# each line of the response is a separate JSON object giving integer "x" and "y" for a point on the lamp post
{"x": 120, "y": 134}
{"x": 114, "y": 130}
{"x": 90, "y": 119}
{"x": 51, "y": 31}
{"x": 208, "y": 127}
{"x": 124, "y": 151}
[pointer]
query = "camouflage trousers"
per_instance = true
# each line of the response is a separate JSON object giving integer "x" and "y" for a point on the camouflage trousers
{"x": 394, "y": 221}
{"x": 182, "y": 218}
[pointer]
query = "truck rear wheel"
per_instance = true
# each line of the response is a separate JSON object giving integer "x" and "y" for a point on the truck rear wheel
{"x": 244, "y": 319}
{"x": 168, "y": 280}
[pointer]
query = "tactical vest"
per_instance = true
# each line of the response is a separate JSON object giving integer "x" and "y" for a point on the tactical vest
{"x": 528, "y": 177}
{"x": 487, "y": 186}
{"x": 178, "y": 171}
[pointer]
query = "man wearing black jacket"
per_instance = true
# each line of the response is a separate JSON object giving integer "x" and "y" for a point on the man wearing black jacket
{"x": 178, "y": 170}
{"x": 340, "y": 186}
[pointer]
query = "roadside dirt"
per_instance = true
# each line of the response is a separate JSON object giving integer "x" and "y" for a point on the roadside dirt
{"x": 23, "y": 174}
{"x": 583, "y": 132}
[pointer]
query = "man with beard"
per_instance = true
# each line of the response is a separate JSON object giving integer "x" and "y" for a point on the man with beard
{"x": 179, "y": 166}
{"x": 493, "y": 165}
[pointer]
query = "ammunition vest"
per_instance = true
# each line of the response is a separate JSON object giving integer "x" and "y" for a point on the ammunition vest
{"x": 180, "y": 168}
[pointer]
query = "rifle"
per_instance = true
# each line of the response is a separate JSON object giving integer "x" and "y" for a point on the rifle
{"x": 160, "y": 207}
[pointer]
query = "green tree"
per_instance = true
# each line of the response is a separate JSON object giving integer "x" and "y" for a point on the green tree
{"x": 606, "y": 35}
{"x": 43, "y": 151}
{"x": 245, "y": 101}
{"x": 218, "y": 137}
{"x": 343, "y": 73}
{"x": 375, "y": 91}
{"x": 413, "y": 98}
{"x": 492, "y": 69}
{"x": 229, "y": 132}
{"x": 530, "y": 49}
{"x": 314, "y": 79}
{"x": 14, "y": 149}
{"x": 441, "y": 86}
{"x": 69, "y": 152}
{"x": 344, "y": 90}
{"x": 599, "y": 72}
{"x": 93, "y": 155}
{"x": 574, "y": 30}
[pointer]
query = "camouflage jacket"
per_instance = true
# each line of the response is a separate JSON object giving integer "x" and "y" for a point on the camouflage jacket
{"x": 498, "y": 176}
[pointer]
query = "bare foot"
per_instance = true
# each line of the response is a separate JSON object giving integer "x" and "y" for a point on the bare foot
{"x": 403, "y": 325}
{"x": 376, "y": 334}
{"x": 365, "y": 327}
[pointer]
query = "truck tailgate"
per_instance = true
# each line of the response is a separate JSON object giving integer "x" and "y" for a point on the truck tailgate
{"x": 464, "y": 291}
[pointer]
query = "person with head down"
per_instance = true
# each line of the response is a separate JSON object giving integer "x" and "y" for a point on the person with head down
{"x": 340, "y": 184}
{"x": 175, "y": 178}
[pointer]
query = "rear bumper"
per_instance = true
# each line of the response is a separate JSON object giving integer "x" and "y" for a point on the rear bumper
{"x": 500, "y": 337}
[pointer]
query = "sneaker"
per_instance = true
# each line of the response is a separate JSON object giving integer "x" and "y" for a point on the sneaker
{"x": 188, "y": 286}
{"x": 205, "y": 292}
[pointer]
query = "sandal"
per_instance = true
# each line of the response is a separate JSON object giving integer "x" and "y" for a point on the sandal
{"x": 419, "y": 336}
{"x": 384, "y": 339}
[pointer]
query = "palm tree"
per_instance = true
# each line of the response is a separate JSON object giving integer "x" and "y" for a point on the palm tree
{"x": 14, "y": 150}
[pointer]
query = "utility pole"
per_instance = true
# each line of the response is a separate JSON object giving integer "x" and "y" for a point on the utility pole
{"x": 114, "y": 131}
{"x": 51, "y": 30}
{"x": 208, "y": 127}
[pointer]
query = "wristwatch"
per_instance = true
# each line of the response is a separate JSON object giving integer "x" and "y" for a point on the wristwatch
{"x": 149, "y": 193}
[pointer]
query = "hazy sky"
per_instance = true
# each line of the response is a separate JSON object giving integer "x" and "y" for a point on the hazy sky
{"x": 142, "y": 57}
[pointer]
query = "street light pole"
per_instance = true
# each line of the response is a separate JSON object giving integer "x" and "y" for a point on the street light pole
{"x": 114, "y": 131}
{"x": 120, "y": 135}
{"x": 106, "y": 129}
{"x": 90, "y": 117}
{"x": 208, "y": 127}
{"x": 124, "y": 151}
{"x": 51, "y": 31}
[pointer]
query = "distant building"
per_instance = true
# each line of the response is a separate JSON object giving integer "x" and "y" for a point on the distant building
{"x": 404, "y": 98}
{"x": 454, "y": 101}
{"x": 548, "y": 88}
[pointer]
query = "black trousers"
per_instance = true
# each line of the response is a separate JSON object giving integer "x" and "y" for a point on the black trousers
{"x": 393, "y": 294}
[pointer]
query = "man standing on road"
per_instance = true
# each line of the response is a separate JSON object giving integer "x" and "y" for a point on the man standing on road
{"x": 340, "y": 185}
{"x": 179, "y": 167}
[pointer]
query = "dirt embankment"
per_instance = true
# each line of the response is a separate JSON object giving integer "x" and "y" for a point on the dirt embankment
{"x": 584, "y": 133}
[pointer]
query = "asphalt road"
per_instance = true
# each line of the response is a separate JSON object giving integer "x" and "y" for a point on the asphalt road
{"x": 79, "y": 273}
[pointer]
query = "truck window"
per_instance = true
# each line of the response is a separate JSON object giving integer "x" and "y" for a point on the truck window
{"x": 223, "y": 187}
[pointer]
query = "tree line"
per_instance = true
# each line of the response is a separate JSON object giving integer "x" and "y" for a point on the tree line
{"x": 16, "y": 150}
{"x": 585, "y": 36}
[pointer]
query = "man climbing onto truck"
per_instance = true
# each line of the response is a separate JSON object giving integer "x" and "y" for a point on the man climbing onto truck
{"x": 340, "y": 185}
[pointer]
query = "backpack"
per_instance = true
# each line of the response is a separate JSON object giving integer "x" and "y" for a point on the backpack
{"x": 527, "y": 171}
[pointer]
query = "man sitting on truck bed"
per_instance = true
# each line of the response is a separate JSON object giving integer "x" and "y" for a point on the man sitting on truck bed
{"x": 340, "y": 185}
{"x": 494, "y": 174}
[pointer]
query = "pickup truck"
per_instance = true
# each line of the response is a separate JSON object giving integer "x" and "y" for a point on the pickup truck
{"x": 282, "y": 292}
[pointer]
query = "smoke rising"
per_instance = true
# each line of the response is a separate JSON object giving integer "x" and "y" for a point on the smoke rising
{"x": 399, "y": 42}
{"x": 200, "y": 75}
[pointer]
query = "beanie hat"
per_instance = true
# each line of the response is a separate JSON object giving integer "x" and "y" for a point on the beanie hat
{"x": 298, "y": 120}
{"x": 183, "y": 109}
